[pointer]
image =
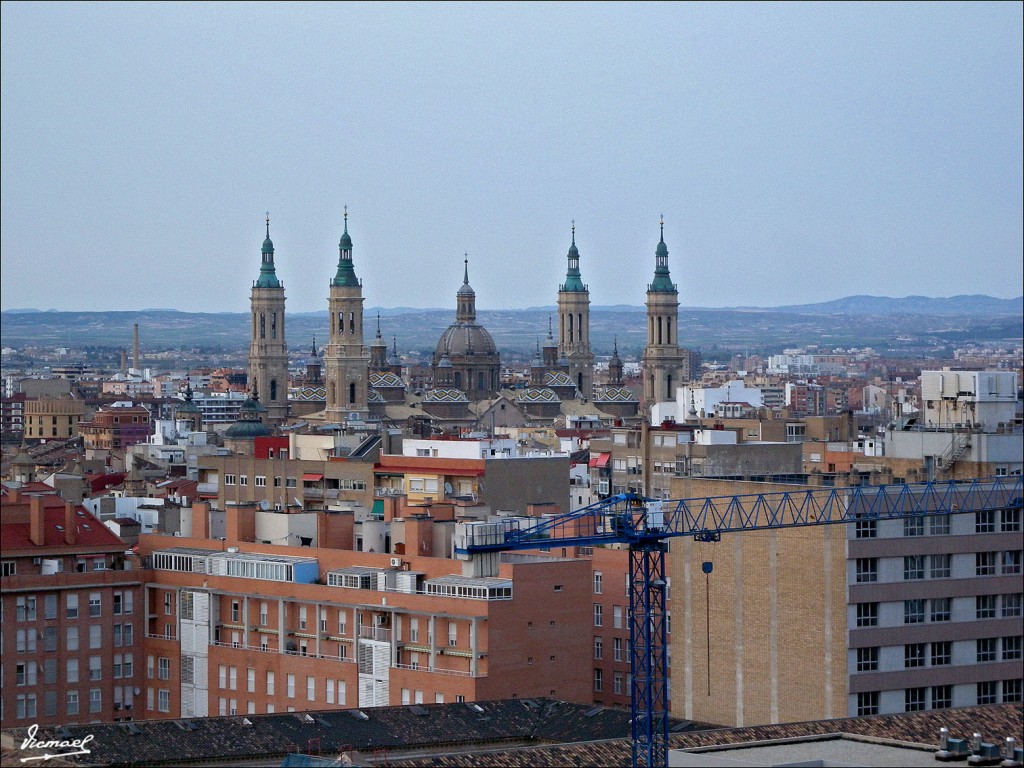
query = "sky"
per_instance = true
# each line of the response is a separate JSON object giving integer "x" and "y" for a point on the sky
{"x": 798, "y": 152}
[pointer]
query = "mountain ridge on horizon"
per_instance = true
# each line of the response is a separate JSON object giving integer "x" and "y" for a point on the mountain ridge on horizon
{"x": 855, "y": 304}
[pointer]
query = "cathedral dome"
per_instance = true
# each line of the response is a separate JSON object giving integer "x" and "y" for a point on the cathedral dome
{"x": 465, "y": 339}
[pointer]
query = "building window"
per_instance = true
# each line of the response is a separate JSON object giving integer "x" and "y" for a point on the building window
{"x": 866, "y": 529}
{"x": 71, "y": 606}
{"x": 913, "y": 611}
{"x": 25, "y": 609}
{"x": 867, "y": 614}
{"x": 985, "y": 607}
{"x": 1011, "y": 605}
{"x": 290, "y": 681}
{"x": 940, "y": 609}
{"x": 310, "y": 688}
{"x": 617, "y": 682}
{"x": 942, "y": 653}
{"x": 913, "y": 567}
{"x": 617, "y": 617}
{"x": 867, "y": 659}
{"x": 163, "y": 668}
{"x": 986, "y": 649}
{"x": 985, "y": 522}
{"x": 95, "y": 700}
{"x": 260, "y": 481}
{"x": 1011, "y": 562}
{"x": 8, "y": 568}
{"x": 987, "y": 692}
{"x": 72, "y": 703}
{"x": 940, "y": 566}
{"x": 914, "y": 655}
{"x": 1012, "y": 647}
{"x": 243, "y": 480}
{"x": 938, "y": 525}
{"x": 867, "y": 703}
{"x": 1009, "y": 520}
{"x": 914, "y": 699}
{"x": 867, "y": 569}
{"x": 598, "y": 579}
{"x": 1012, "y": 690}
{"x": 985, "y": 563}
{"x": 598, "y": 615}
{"x": 942, "y": 696}
{"x": 163, "y": 699}
{"x": 598, "y": 647}
{"x": 598, "y": 680}
{"x": 229, "y": 479}
{"x": 617, "y": 648}
{"x": 913, "y": 526}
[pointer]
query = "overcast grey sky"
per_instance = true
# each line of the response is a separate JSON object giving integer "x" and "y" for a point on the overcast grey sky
{"x": 798, "y": 152}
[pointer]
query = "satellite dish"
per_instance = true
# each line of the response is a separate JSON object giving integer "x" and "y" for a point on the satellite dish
{"x": 447, "y": 487}
{"x": 264, "y": 505}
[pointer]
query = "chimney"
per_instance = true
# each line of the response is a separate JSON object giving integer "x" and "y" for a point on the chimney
{"x": 135, "y": 347}
{"x": 200, "y": 520}
{"x": 70, "y": 524}
{"x": 36, "y": 518}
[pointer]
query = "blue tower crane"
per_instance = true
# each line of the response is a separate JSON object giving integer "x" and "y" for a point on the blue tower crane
{"x": 647, "y": 525}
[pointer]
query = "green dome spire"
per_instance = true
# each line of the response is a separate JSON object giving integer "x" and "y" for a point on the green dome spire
{"x": 662, "y": 280}
{"x": 346, "y": 274}
{"x": 268, "y": 275}
{"x": 573, "y": 282}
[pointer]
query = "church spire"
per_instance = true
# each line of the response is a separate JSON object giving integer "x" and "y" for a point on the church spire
{"x": 572, "y": 275}
{"x": 466, "y": 297}
{"x": 662, "y": 279}
{"x": 346, "y": 274}
{"x": 268, "y": 275}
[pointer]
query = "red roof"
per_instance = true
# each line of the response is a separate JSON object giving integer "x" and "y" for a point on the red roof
{"x": 100, "y": 483}
{"x": 89, "y": 532}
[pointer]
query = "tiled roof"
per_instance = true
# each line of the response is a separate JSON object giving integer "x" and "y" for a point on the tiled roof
{"x": 308, "y": 394}
{"x": 536, "y": 395}
{"x": 445, "y": 395}
{"x": 180, "y": 742}
{"x": 386, "y": 380}
{"x": 615, "y": 395}
{"x": 90, "y": 532}
{"x": 994, "y": 722}
{"x": 558, "y": 379}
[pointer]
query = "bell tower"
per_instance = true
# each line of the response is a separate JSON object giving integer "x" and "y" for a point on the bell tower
{"x": 347, "y": 360}
{"x": 666, "y": 366}
{"x": 268, "y": 352}
{"x": 574, "y": 324}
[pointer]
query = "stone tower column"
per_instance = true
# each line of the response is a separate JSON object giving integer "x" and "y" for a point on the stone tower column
{"x": 574, "y": 324}
{"x": 346, "y": 360}
{"x": 666, "y": 366}
{"x": 268, "y": 351}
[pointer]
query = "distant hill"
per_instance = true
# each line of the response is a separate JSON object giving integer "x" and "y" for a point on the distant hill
{"x": 913, "y": 325}
{"x": 912, "y": 305}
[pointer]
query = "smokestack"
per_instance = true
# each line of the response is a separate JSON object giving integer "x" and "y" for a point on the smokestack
{"x": 135, "y": 348}
{"x": 124, "y": 361}
{"x": 36, "y": 513}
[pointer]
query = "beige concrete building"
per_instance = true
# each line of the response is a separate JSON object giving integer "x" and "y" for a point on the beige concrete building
{"x": 52, "y": 418}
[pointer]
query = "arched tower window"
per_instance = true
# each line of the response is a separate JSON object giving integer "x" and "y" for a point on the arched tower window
{"x": 481, "y": 381}
{"x": 273, "y": 390}
{"x": 570, "y": 327}
{"x": 668, "y": 387}
{"x": 263, "y": 325}
{"x": 351, "y": 322}
{"x": 579, "y": 327}
{"x": 352, "y": 393}
{"x": 341, "y": 322}
{"x": 273, "y": 325}
{"x": 659, "y": 330}
{"x": 668, "y": 321}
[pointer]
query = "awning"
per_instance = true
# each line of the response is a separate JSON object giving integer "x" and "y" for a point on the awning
{"x": 312, "y": 476}
{"x": 599, "y": 461}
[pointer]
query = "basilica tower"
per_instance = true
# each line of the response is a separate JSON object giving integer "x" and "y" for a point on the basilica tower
{"x": 666, "y": 366}
{"x": 268, "y": 353}
{"x": 346, "y": 359}
{"x": 574, "y": 324}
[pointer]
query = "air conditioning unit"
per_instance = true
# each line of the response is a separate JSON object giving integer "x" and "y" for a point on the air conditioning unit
{"x": 396, "y": 562}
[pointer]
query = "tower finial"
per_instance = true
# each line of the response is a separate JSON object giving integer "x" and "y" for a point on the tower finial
{"x": 465, "y": 273}
{"x": 314, "y": 346}
{"x": 378, "y": 324}
{"x": 615, "y": 350}
{"x": 268, "y": 223}
{"x": 574, "y": 231}
{"x": 346, "y": 218}
{"x": 663, "y": 226}
{"x": 550, "y": 336}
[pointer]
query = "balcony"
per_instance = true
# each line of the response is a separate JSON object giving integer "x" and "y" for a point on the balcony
{"x": 435, "y": 670}
{"x": 381, "y": 634}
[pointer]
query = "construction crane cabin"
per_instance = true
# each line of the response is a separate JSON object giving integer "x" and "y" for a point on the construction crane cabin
{"x": 647, "y": 526}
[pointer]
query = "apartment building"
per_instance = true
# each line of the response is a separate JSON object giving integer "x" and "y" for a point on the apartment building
{"x": 71, "y": 645}
{"x": 52, "y": 418}
{"x": 326, "y": 627}
{"x": 116, "y": 427}
{"x": 879, "y": 617}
